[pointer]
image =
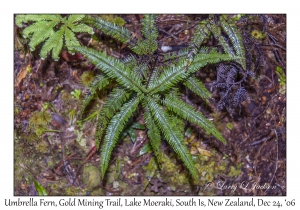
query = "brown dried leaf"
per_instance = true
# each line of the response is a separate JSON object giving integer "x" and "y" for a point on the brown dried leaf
{"x": 22, "y": 74}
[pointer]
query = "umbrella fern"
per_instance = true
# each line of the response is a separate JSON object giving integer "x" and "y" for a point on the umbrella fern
{"x": 153, "y": 88}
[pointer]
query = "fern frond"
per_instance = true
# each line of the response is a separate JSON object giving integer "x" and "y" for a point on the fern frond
{"x": 216, "y": 31}
{"x": 113, "y": 68}
{"x": 120, "y": 33}
{"x": 201, "y": 32}
{"x": 174, "y": 138}
{"x": 235, "y": 39}
{"x": 43, "y": 30}
{"x": 74, "y": 18}
{"x": 197, "y": 87}
{"x": 150, "y": 32}
{"x": 114, "y": 129}
{"x": 188, "y": 112}
{"x": 112, "y": 104}
{"x": 153, "y": 134}
{"x": 70, "y": 40}
{"x": 98, "y": 84}
{"x": 168, "y": 78}
{"x": 204, "y": 58}
{"x": 35, "y": 18}
{"x": 139, "y": 67}
{"x": 54, "y": 43}
{"x": 182, "y": 70}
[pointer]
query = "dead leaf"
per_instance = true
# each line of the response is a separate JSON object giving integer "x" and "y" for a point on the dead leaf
{"x": 22, "y": 74}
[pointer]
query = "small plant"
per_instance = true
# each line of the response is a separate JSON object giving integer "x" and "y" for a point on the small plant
{"x": 54, "y": 30}
{"x": 76, "y": 94}
{"x": 152, "y": 87}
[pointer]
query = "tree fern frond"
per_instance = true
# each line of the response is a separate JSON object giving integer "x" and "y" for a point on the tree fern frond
{"x": 174, "y": 138}
{"x": 98, "y": 84}
{"x": 114, "y": 129}
{"x": 188, "y": 112}
{"x": 120, "y": 33}
{"x": 197, "y": 87}
{"x": 112, "y": 104}
{"x": 113, "y": 68}
{"x": 236, "y": 40}
{"x": 153, "y": 134}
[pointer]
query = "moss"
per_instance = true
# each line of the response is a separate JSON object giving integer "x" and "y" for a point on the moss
{"x": 234, "y": 171}
{"x": 35, "y": 119}
{"x": 32, "y": 138}
{"x": 66, "y": 97}
{"x": 45, "y": 117}
{"x": 42, "y": 147}
{"x": 91, "y": 176}
{"x": 87, "y": 77}
{"x": 71, "y": 191}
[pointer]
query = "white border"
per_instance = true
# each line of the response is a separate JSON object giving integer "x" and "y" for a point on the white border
{"x": 139, "y": 6}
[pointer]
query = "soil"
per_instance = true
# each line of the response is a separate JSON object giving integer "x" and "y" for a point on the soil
{"x": 62, "y": 156}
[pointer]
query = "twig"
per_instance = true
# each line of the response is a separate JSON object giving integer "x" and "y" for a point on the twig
{"x": 265, "y": 108}
{"x": 274, "y": 45}
{"x": 168, "y": 33}
{"x": 179, "y": 31}
{"x": 270, "y": 136}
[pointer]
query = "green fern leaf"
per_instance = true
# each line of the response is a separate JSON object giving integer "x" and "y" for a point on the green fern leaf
{"x": 74, "y": 18}
{"x": 114, "y": 129}
{"x": 98, "y": 84}
{"x": 187, "y": 112}
{"x": 201, "y": 32}
{"x": 70, "y": 40}
{"x": 112, "y": 104}
{"x": 44, "y": 30}
{"x": 197, "y": 87}
{"x": 35, "y": 18}
{"x": 236, "y": 40}
{"x": 41, "y": 31}
{"x": 174, "y": 138}
{"x": 217, "y": 34}
{"x": 113, "y": 68}
{"x": 168, "y": 78}
{"x": 182, "y": 70}
{"x": 54, "y": 43}
{"x": 119, "y": 33}
{"x": 150, "y": 32}
{"x": 153, "y": 135}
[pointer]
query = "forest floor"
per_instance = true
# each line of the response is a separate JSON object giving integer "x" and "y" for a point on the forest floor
{"x": 252, "y": 163}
